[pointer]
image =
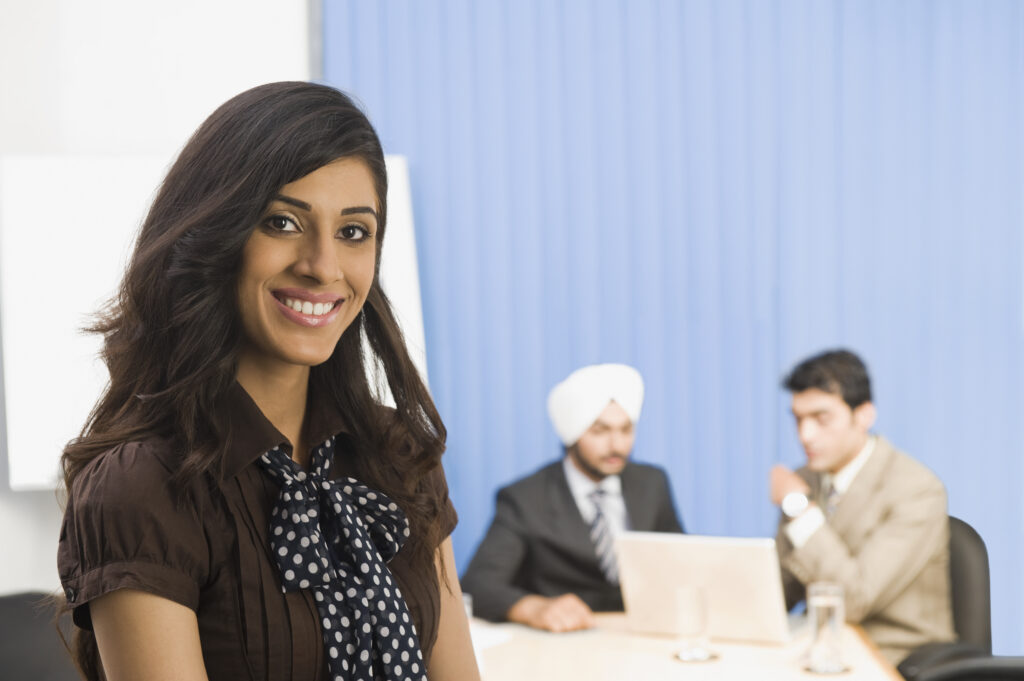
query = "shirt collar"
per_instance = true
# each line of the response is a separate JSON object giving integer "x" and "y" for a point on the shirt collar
{"x": 250, "y": 434}
{"x": 842, "y": 480}
{"x": 581, "y": 486}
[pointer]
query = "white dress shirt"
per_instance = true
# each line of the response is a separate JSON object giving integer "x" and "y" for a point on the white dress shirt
{"x": 800, "y": 529}
{"x": 612, "y": 505}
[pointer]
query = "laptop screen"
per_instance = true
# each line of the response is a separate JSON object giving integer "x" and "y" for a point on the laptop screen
{"x": 740, "y": 576}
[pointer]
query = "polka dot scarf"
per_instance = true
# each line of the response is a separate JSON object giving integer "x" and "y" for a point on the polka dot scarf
{"x": 335, "y": 537}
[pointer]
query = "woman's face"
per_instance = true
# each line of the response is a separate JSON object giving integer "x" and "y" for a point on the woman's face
{"x": 308, "y": 267}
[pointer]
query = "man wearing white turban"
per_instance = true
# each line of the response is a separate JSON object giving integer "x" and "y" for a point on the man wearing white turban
{"x": 546, "y": 560}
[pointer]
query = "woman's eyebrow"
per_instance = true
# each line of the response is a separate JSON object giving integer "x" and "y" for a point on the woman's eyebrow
{"x": 294, "y": 202}
{"x": 360, "y": 209}
{"x": 306, "y": 207}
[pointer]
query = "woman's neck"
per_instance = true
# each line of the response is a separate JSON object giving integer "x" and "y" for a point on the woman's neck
{"x": 281, "y": 396}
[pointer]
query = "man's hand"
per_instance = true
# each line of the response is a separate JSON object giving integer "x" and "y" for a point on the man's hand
{"x": 785, "y": 481}
{"x": 563, "y": 613}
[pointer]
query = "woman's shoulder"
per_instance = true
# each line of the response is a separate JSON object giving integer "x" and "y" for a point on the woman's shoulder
{"x": 153, "y": 455}
{"x": 127, "y": 525}
{"x": 140, "y": 472}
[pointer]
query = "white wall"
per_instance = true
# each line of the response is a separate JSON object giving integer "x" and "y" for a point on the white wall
{"x": 120, "y": 77}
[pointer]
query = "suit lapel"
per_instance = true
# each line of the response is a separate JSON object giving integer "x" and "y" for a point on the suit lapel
{"x": 637, "y": 500}
{"x": 566, "y": 521}
{"x": 858, "y": 497}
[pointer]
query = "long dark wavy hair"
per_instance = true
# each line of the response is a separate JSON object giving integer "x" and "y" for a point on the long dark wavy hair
{"x": 172, "y": 332}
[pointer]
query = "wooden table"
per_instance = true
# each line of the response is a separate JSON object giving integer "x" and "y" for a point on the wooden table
{"x": 510, "y": 652}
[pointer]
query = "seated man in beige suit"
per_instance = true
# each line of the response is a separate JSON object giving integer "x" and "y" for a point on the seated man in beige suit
{"x": 861, "y": 513}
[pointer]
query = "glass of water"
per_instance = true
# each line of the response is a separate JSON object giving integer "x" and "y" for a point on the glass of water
{"x": 826, "y": 613}
{"x": 691, "y": 618}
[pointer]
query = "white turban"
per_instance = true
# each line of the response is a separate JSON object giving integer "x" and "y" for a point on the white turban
{"x": 575, "y": 403}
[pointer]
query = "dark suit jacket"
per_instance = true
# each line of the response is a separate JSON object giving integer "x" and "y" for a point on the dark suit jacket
{"x": 538, "y": 542}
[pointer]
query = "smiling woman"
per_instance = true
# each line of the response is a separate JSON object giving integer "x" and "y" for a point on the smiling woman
{"x": 307, "y": 268}
{"x": 239, "y": 505}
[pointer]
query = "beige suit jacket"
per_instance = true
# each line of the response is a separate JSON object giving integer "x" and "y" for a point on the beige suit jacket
{"x": 887, "y": 544}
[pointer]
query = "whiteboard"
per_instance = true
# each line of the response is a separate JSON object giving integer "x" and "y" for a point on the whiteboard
{"x": 67, "y": 225}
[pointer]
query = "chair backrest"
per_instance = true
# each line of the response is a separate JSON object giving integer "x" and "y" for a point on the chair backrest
{"x": 30, "y": 647}
{"x": 977, "y": 669}
{"x": 968, "y": 569}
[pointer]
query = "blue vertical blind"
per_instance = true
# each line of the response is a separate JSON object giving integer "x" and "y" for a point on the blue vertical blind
{"x": 711, "y": 190}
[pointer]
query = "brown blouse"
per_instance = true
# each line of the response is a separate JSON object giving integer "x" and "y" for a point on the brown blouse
{"x": 124, "y": 527}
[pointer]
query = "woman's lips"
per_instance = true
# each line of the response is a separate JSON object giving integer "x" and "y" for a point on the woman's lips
{"x": 308, "y": 309}
{"x": 304, "y": 295}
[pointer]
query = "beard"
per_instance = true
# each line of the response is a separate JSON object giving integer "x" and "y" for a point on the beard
{"x": 588, "y": 468}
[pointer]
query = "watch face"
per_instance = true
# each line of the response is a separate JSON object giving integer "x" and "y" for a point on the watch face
{"x": 794, "y": 503}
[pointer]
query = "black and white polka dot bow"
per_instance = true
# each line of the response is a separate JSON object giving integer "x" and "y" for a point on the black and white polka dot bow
{"x": 336, "y": 537}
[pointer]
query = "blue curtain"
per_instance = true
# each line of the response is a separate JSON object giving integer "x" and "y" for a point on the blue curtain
{"x": 711, "y": 190}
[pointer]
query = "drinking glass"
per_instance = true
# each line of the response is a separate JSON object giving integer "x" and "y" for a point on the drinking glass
{"x": 826, "y": 614}
{"x": 691, "y": 617}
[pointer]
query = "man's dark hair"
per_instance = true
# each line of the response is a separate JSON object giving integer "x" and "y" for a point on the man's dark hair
{"x": 839, "y": 372}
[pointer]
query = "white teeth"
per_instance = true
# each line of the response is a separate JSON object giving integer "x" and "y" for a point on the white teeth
{"x": 308, "y": 308}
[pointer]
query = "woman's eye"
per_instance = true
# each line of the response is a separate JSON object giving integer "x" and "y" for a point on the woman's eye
{"x": 354, "y": 233}
{"x": 282, "y": 223}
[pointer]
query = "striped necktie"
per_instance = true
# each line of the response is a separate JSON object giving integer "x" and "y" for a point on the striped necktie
{"x": 601, "y": 535}
{"x": 831, "y": 495}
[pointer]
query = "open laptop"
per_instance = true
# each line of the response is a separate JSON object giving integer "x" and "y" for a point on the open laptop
{"x": 741, "y": 577}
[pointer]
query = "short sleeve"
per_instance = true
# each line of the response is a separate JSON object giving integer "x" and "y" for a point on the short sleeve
{"x": 125, "y": 528}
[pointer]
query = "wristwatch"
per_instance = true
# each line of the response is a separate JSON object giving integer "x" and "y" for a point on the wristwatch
{"x": 794, "y": 503}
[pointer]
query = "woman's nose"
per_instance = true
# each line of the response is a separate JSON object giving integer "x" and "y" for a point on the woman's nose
{"x": 318, "y": 260}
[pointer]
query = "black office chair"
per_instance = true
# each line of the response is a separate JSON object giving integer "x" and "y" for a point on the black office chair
{"x": 968, "y": 571}
{"x": 30, "y": 647}
{"x": 972, "y": 618}
{"x": 977, "y": 669}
